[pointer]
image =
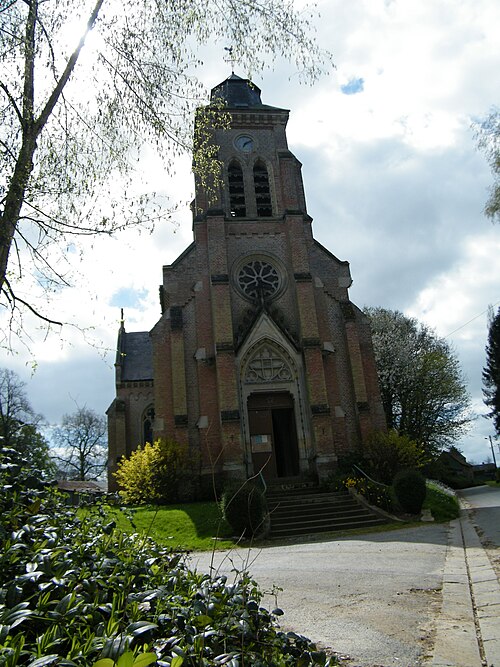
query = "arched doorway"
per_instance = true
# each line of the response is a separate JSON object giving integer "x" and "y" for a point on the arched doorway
{"x": 273, "y": 434}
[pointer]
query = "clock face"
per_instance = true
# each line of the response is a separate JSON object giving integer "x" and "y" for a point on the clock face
{"x": 244, "y": 143}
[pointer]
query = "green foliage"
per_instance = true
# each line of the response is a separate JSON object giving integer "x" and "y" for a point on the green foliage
{"x": 159, "y": 473}
{"x": 488, "y": 139}
{"x": 388, "y": 453}
{"x": 243, "y": 506}
{"x": 76, "y": 591}
{"x": 422, "y": 385}
{"x": 20, "y": 426}
{"x": 410, "y": 490}
{"x": 491, "y": 371}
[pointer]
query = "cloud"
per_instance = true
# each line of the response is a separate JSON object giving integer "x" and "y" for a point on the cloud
{"x": 393, "y": 181}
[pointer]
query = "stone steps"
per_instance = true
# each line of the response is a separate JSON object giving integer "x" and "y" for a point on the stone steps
{"x": 311, "y": 510}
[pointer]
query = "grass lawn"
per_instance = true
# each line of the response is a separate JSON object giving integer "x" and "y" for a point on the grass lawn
{"x": 443, "y": 506}
{"x": 193, "y": 526}
{"x": 200, "y": 527}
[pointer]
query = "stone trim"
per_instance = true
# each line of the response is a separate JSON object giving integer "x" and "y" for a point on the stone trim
{"x": 219, "y": 279}
{"x": 320, "y": 409}
{"x": 181, "y": 420}
{"x": 135, "y": 384}
{"x": 224, "y": 346}
{"x": 176, "y": 318}
{"x": 311, "y": 342}
{"x": 229, "y": 415}
{"x": 347, "y": 310}
{"x": 304, "y": 277}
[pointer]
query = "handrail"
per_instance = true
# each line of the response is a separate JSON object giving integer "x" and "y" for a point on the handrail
{"x": 261, "y": 476}
{"x": 368, "y": 477}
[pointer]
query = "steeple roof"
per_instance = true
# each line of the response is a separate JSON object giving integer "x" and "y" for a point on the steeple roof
{"x": 238, "y": 93}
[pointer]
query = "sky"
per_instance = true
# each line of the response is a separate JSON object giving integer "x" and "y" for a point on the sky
{"x": 393, "y": 179}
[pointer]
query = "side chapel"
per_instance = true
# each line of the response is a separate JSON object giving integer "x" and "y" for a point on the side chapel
{"x": 259, "y": 361}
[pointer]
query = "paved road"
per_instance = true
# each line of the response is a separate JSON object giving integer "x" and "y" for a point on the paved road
{"x": 408, "y": 598}
{"x": 484, "y": 502}
{"x": 373, "y": 597}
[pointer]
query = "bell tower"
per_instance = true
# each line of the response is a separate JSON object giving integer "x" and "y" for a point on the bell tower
{"x": 261, "y": 178}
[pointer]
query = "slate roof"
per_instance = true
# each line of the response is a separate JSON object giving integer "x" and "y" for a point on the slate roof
{"x": 240, "y": 93}
{"x": 136, "y": 356}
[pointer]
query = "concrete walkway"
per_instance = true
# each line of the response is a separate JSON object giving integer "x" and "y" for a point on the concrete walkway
{"x": 468, "y": 625}
{"x": 423, "y": 596}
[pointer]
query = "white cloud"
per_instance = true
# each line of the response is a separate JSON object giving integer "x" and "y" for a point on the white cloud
{"x": 392, "y": 176}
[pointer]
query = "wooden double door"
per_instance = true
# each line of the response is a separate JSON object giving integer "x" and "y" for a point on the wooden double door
{"x": 273, "y": 434}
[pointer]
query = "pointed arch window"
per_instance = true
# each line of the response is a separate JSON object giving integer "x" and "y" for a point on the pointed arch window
{"x": 262, "y": 191}
{"x": 148, "y": 418}
{"x": 236, "y": 191}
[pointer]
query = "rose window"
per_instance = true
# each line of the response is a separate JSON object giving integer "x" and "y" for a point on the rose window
{"x": 258, "y": 279}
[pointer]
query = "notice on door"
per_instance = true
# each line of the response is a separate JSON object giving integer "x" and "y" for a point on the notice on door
{"x": 261, "y": 443}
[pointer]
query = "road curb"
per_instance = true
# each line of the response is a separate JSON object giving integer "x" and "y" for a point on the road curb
{"x": 468, "y": 627}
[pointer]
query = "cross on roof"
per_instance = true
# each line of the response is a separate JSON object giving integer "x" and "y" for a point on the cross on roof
{"x": 231, "y": 57}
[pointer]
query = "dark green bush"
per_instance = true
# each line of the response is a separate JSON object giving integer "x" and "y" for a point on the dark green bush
{"x": 410, "y": 490}
{"x": 243, "y": 506}
{"x": 388, "y": 453}
{"x": 74, "y": 590}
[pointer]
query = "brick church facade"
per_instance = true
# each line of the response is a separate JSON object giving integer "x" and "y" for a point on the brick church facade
{"x": 259, "y": 361}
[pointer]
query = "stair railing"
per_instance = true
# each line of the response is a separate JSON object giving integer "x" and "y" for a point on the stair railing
{"x": 263, "y": 481}
{"x": 374, "y": 481}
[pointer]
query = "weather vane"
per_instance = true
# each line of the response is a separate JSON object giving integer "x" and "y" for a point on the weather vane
{"x": 231, "y": 58}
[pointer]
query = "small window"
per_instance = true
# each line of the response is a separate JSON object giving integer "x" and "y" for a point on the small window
{"x": 262, "y": 192}
{"x": 148, "y": 418}
{"x": 236, "y": 191}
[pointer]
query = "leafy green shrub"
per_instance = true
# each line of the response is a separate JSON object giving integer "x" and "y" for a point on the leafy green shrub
{"x": 159, "y": 473}
{"x": 74, "y": 591}
{"x": 410, "y": 490}
{"x": 243, "y": 505}
{"x": 388, "y": 453}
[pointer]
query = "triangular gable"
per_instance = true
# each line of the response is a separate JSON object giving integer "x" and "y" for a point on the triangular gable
{"x": 266, "y": 330}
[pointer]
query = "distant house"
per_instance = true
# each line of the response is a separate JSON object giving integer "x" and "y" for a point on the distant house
{"x": 76, "y": 489}
{"x": 455, "y": 466}
{"x": 484, "y": 471}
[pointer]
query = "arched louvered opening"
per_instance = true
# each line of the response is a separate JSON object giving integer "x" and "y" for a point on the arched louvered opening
{"x": 236, "y": 191}
{"x": 262, "y": 191}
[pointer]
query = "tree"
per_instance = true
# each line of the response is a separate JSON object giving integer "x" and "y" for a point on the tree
{"x": 491, "y": 372}
{"x": 488, "y": 139}
{"x": 74, "y": 117}
{"x": 81, "y": 441}
{"x": 422, "y": 386}
{"x": 20, "y": 425}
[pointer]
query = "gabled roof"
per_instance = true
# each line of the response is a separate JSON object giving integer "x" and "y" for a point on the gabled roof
{"x": 136, "y": 354}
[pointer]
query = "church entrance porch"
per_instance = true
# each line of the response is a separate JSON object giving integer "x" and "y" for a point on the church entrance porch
{"x": 273, "y": 435}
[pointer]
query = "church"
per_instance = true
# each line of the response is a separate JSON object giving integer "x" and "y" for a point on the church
{"x": 259, "y": 361}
